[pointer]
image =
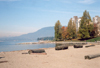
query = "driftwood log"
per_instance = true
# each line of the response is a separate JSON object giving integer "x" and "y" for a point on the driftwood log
{"x": 89, "y": 46}
{"x": 62, "y": 47}
{"x": 3, "y": 61}
{"x": 78, "y": 46}
{"x": 36, "y": 51}
{"x": 92, "y": 56}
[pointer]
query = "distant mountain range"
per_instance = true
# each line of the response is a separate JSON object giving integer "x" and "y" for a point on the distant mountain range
{"x": 44, "y": 32}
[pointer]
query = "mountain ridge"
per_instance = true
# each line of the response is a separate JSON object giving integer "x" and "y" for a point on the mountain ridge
{"x": 43, "y": 32}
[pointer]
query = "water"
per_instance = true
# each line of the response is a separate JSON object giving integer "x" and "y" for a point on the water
{"x": 13, "y": 46}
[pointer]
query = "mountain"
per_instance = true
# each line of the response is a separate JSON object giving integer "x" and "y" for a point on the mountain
{"x": 44, "y": 32}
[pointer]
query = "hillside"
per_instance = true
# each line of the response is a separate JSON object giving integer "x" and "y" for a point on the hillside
{"x": 44, "y": 32}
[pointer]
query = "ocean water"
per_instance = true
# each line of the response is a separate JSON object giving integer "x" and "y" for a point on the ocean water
{"x": 13, "y": 46}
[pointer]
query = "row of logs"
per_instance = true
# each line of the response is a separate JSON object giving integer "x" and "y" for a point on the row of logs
{"x": 63, "y": 47}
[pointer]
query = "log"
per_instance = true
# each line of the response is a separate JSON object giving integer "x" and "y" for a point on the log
{"x": 1, "y": 57}
{"x": 3, "y": 61}
{"x": 89, "y": 46}
{"x": 36, "y": 51}
{"x": 78, "y": 46}
{"x": 24, "y": 53}
{"x": 58, "y": 44}
{"x": 92, "y": 56}
{"x": 62, "y": 47}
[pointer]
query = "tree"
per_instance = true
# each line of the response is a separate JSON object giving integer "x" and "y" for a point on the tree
{"x": 90, "y": 30}
{"x": 85, "y": 27}
{"x": 71, "y": 30}
{"x": 57, "y": 28}
{"x": 74, "y": 30}
{"x": 64, "y": 32}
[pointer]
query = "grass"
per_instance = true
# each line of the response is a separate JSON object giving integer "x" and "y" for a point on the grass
{"x": 89, "y": 40}
{"x": 93, "y": 39}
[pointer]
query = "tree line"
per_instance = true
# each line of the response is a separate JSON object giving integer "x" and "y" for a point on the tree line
{"x": 86, "y": 29}
{"x": 46, "y": 38}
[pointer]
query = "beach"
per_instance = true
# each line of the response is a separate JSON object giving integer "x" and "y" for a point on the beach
{"x": 69, "y": 58}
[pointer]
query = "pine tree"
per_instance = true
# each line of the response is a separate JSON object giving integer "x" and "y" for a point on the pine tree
{"x": 69, "y": 30}
{"x": 85, "y": 27}
{"x": 57, "y": 28}
{"x": 74, "y": 30}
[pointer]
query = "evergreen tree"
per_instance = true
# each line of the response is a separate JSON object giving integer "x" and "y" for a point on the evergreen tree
{"x": 74, "y": 30}
{"x": 85, "y": 27}
{"x": 69, "y": 29}
{"x": 57, "y": 28}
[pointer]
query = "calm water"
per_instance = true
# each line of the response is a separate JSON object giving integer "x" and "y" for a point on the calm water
{"x": 13, "y": 46}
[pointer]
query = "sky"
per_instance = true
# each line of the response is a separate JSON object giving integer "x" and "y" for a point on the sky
{"x": 19, "y": 17}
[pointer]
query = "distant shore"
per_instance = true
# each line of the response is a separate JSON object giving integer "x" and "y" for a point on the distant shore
{"x": 54, "y": 42}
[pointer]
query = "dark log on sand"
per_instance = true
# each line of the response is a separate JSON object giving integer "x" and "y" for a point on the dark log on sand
{"x": 92, "y": 56}
{"x": 2, "y": 57}
{"x": 36, "y": 51}
{"x": 89, "y": 46}
{"x": 24, "y": 53}
{"x": 3, "y": 61}
{"x": 62, "y": 47}
{"x": 78, "y": 46}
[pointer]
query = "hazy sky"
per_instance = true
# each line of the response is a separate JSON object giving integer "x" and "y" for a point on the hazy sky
{"x": 24, "y": 16}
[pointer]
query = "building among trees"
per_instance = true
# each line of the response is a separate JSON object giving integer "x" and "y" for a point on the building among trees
{"x": 78, "y": 28}
{"x": 77, "y": 21}
{"x": 96, "y": 21}
{"x": 98, "y": 25}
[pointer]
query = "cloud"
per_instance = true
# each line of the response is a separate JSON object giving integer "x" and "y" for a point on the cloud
{"x": 87, "y": 1}
{"x": 9, "y": 0}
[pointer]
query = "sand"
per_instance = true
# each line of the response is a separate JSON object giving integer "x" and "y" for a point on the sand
{"x": 70, "y": 58}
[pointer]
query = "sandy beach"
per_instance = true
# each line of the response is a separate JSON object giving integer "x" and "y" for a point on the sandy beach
{"x": 70, "y": 58}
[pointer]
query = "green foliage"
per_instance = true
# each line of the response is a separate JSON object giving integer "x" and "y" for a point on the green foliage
{"x": 90, "y": 30}
{"x": 85, "y": 30}
{"x": 57, "y": 28}
{"x": 46, "y": 38}
{"x": 74, "y": 30}
{"x": 71, "y": 30}
{"x": 93, "y": 39}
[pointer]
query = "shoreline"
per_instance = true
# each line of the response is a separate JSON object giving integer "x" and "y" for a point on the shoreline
{"x": 88, "y": 43}
{"x": 57, "y": 42}
{"x": 26, "y": 49}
